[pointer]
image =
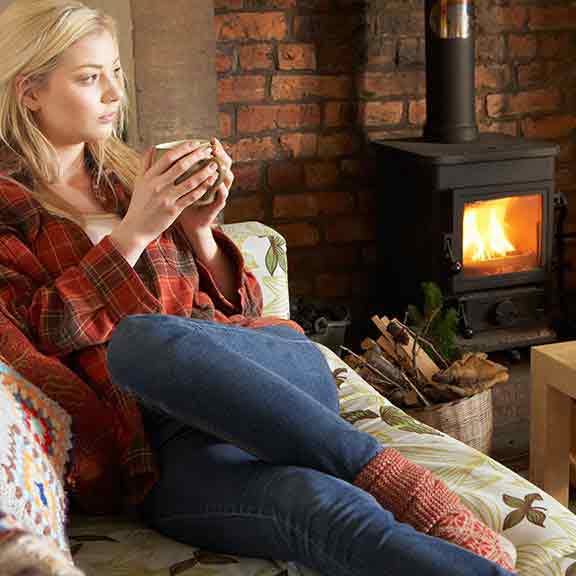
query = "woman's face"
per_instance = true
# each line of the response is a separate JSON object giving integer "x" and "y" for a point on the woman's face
{"x": 81, "y": 98}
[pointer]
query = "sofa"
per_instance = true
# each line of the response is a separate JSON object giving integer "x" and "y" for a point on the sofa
{"x": 542, "y": 531}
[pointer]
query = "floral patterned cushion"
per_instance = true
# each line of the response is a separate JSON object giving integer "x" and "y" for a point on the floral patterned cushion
{"x": 543, "y": 531}
{"x": 264, "y": 253}
{"x": 35, "y": 435}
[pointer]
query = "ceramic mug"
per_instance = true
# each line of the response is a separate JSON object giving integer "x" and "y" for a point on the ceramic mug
{"x": 210, "y": 194}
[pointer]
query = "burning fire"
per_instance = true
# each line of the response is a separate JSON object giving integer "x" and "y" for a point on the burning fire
{"x": 485, "y": 236}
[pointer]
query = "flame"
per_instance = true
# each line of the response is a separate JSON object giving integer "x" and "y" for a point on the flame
{"x": 485, "y": 235}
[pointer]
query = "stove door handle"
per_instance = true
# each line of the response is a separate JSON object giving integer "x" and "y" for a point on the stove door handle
{"x": 455, "y": 265}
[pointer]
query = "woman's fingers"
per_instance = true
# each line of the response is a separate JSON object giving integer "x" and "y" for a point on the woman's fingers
{"x": 189, "y": 197}
{"x": 221, "y": 153}
{"x": 176, "y": 161}
{"x": 210, "y": 171}
{"x": 148, "y": 159}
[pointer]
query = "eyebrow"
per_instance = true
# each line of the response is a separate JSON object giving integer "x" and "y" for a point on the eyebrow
{"x": 94, "y": 65}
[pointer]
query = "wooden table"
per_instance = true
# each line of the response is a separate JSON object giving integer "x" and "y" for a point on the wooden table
{"x": 553, "y": 418}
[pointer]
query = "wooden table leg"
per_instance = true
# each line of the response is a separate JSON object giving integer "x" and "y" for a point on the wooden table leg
{"x": 557, "y": 462}
{"x": 550, "y": 431}
{"x": 538, "y": 419}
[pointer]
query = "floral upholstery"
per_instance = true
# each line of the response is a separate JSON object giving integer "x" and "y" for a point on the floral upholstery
{"x": 543, "y": 531}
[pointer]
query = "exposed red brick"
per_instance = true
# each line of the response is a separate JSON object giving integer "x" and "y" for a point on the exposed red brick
{"x": 249, "y": 149}
{"x": 321, "y": 174}
{"x": 225, "y": 125}
{"x": 301, "y": 284}
{"x": 531, "y": 74}
{"x": 349, "y": 229}
{"x": 353, "y": 167}
{"x": 296, "y": 57}
{"x": 522, "y": 47}
{"x": 549, "y": 127}
{"x": 256, "y": 57}
{"x": 228, "y": 4}
{"x": 337, "y": 257}
{"x": 224, "y": 60}
{"x": 295, "y": 206}
{"x": 299, "y": 145}
{"x": 333, "y": 285}
{"x": 494, "y": 77}
{"x": 279, "y": 117}
{"x": 523, "y": 102}
{"x": 251, "y": 26}
{"x": 299, "y": 234}
{"x": 270, "y": 4}
{"x": 247, "y": 177}
{"x": 241, "y": 89}
{"x": 490, "y": 48}
{"x": 510, "y": 127}
{"x": 504, "y": 18}
{"x": 381, "y": 113}
{"x": 556, "y": 46}
{"x": 338, "y": 114}
{"x": 417, "y": 112}
{"x": 552, "y": 18}
{"x": 302, "y": 87}
{"x": 339, "y": 144}
{"x": 335, "y": 202}
{"x": 381, "y": 54}
{"x": 286, "y": 176}
{"x": 244, "y": 208}
{"x": 376, "y": 85}
{"x": 567, "y": 150}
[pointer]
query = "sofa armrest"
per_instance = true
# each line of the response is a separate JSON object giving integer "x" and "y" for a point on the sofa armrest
{"x": 264, "y": 252}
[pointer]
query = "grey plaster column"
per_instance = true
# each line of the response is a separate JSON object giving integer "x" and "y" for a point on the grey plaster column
{"x": 175, "y": 75}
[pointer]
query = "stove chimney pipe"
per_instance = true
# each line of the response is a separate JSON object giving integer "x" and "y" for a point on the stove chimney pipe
{"x": 450, "y": 71}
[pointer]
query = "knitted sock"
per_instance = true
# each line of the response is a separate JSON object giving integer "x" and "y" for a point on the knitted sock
{"x": 416, "y": 497}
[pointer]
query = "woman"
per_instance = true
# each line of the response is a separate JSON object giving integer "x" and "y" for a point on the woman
{"x": 106, "y": 262}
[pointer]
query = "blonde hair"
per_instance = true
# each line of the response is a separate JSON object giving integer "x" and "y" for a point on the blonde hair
{"x": 35, "y": 33}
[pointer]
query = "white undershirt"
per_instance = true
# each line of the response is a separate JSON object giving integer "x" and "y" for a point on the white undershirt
{"x": 99, "y": 225}
{"x": 96, "y": 225}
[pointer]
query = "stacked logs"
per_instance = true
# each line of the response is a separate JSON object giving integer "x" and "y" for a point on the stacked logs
{"x": 407, "y": 369}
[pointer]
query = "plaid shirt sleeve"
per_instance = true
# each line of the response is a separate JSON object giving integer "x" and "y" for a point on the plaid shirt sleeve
{"x": 80, "y": 307}
{"x": 249, "y": 294}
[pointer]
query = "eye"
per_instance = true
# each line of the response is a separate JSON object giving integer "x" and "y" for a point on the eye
{"x": 118, "y": 71}
{"x": 89, "y": 79}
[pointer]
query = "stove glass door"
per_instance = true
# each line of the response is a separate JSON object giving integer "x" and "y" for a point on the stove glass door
{"x": 502, "y": 235}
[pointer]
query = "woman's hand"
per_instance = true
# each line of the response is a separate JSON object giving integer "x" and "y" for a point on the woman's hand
{"x": 198, "y": 218}
{"x": 157, "y": 202}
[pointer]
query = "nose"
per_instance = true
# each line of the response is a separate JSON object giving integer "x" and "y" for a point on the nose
{"x": 114, "y": 90}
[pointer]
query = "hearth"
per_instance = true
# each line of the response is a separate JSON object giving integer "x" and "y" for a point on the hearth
{"x": 472, "y": 212}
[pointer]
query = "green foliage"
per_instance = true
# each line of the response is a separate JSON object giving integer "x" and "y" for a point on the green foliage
{"x": 435, "y": 322}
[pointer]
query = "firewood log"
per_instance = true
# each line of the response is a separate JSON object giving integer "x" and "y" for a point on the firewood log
{"x": 409, "y": 355}
{"x": 473, "y": 370}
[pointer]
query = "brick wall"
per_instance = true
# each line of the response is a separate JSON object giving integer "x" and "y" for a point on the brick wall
{"x": 304, "y": 84}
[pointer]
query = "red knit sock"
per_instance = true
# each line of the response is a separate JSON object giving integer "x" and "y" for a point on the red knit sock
{"x": 415, "y": 496}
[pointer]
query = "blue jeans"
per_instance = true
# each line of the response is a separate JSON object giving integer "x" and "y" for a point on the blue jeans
{"x": 254, "y": 458}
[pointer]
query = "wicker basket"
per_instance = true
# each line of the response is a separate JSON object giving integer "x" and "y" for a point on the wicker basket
{"x": 469, "y": 420}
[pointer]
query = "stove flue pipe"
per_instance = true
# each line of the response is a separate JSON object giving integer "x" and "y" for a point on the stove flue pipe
{"x": 450, "y": 71}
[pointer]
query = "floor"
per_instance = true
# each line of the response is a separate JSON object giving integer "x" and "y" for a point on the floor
{"x": 511, "y": 441}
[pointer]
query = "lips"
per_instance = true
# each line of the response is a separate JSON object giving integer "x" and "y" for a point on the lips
{"x": 108, "y": 117}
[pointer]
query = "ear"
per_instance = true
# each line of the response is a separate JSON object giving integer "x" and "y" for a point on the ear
{"x": 26, "y": 93}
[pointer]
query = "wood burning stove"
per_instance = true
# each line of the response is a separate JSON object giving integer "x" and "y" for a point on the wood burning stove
{"x": 473, "y": 213}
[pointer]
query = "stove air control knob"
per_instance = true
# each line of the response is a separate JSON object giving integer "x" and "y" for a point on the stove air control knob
{"x": 506, "y": 313}
{"x": 456, "y": 267}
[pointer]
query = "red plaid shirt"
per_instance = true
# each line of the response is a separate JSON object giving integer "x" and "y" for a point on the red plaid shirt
{"x": 62, "y": 296}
